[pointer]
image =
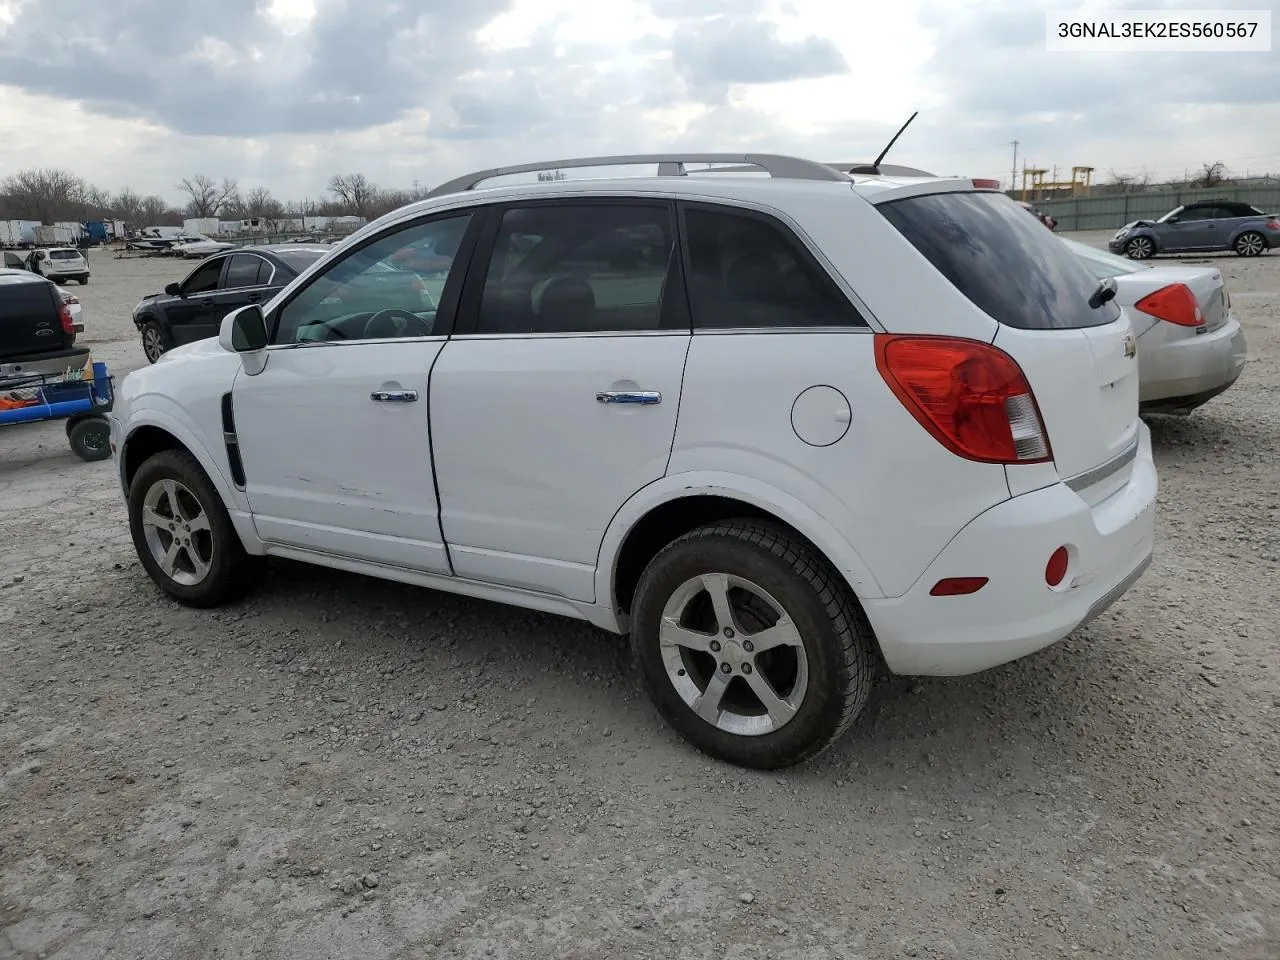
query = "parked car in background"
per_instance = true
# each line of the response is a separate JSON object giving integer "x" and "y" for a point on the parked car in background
{"x": 70, "y": 299}
{"x": 1209, "y": 225}
{"x": 191, "y": 247}
{"x": 1039, "y": 214}
{"x": 861, "y": 418}
{"x": 192, "y": 309}
{"x": 37, "y": 330}
{"x": 1190, "y": 346}
{"x": 60, "y": 264}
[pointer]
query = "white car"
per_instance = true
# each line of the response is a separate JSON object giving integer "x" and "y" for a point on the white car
{"x": 189, "y": 247}
{"x": 60, "y": 264}
{"x": 1190, "y": 346}
{"x": 773, "y": 428}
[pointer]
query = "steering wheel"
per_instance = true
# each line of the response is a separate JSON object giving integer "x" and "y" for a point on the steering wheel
{"x": 394, "y": 322}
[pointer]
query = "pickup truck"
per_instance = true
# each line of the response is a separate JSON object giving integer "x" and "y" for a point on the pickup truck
{"x": 37, "y": 330}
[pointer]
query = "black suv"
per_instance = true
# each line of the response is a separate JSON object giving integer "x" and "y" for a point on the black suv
{"x": 193, "y": 309}
{"x": 37, "y": 333}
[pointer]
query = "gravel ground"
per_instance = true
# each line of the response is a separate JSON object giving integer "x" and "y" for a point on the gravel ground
{"x": 340, "y": 767}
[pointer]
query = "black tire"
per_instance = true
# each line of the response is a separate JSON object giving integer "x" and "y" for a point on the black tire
{"x": 60, "y": 281}
{"x": 155, "y": 341}
{"x": 837, "y": 640}
{"x": 84, "y": 281}
{"x": 231, "y": 569}
{"x": 1140, "y": 248}
{"x": 1250, "y": 244}
{"x": 90, "y": 438}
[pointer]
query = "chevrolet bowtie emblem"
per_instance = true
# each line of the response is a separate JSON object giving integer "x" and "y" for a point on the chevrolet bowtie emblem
{"x": 1130, "y": 347}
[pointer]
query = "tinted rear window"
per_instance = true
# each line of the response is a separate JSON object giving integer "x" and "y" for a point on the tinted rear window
{"x": 63, "y": 255}
{"x": 1005, "y": 262}
{"x": 299, "y": 260}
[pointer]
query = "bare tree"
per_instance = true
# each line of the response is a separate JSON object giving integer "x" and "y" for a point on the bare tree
{"x": 45, "y": 194}
{"x": 205, "y": 196}
{"x": 153, "y": 211}
{"x": 259, "y": 202}
{"x": 1212, "y": 175}
{"x": 355, "y": 191}
{"x": 127, "y": 205}
{"x": 550, "y": 175}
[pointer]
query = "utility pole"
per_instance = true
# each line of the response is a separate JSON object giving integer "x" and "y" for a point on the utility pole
{"x": 1013, "y": 172}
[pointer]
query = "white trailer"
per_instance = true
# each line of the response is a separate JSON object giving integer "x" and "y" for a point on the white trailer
{"x": 74, "y": 230}
{"x": 201, "y": 226}
{"x": 46, "y": 236}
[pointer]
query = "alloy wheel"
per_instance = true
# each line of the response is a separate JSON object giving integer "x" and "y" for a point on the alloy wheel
{"x": 733, "y": 654}
{"x": 177, "y": 532}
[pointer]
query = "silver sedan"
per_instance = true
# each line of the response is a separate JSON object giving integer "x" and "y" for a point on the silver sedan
{"x": 1190, "y": 346}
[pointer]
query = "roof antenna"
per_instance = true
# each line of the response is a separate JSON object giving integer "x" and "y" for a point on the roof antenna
{"x": 874, "y": 167}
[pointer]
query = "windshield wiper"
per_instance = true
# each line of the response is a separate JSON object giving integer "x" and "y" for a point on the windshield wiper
{"x": 1104, "y": 293}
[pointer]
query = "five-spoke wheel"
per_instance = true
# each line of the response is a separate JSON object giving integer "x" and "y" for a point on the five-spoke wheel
{"x": 750, "y": 644}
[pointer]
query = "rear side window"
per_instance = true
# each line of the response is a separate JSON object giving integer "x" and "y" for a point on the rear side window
{"x": 1005, "y": 262}
{"x": 746, "y": 271}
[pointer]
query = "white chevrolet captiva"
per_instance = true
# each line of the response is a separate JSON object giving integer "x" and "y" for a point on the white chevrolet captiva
{"x": 779, "y": 428}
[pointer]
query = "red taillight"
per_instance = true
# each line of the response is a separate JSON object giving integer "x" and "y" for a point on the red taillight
{"x": 1056, "y": 568}
{"x": 1175, "y": 304}
{"x": 68, "y": 321}
{"x": 1273, "y": 224}
{"x": 957, "y": 586}
{"x": 972, "y": 397}
{"x": 985, "y": 184}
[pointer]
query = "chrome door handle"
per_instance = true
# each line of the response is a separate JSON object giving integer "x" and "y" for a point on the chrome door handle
{"x": 629, "y": 396}
{"x": 394, "y": 396}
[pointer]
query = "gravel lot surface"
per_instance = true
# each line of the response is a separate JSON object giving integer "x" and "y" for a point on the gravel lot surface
{"x": 340, "y": 767}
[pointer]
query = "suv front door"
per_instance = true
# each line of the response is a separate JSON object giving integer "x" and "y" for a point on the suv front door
{"x": 335, "y": 432}
{"x": 556, "y": 399}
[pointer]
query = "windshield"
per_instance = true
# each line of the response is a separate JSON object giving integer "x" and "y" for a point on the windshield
{"x": 1172, "y": 213}
{"x": 1005, "y": 262}
{"x": 1102, "y": 264}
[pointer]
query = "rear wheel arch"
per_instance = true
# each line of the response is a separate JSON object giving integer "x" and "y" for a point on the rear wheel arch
{"x": 647, "y": 524}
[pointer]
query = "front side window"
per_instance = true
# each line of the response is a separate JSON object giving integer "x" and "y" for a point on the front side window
{"x": 242, "y": 271}
{"x": 386, "y": 289}
{"x": 204, "y": 278}
{"x": 745, "y": 271}
{"x": 580, "y": 268}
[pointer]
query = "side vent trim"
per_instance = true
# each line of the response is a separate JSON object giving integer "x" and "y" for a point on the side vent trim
{"x": 232, "y": 442}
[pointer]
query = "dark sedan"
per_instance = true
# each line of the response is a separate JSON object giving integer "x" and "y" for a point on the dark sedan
{"x": 193, "y": 309}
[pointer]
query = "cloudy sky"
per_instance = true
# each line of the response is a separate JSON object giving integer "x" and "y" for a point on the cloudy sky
{"x": 284, "y": 93}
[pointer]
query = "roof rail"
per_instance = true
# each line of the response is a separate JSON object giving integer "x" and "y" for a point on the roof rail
{"x": 669, "y": 165}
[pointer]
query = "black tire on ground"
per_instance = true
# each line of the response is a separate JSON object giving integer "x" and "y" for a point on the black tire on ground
{"x": 60, "y": 281}
{"x": 90, "y": 438}
{"x": 1250, "y": 244}
{"x": 231, "y": 569}
{"x": 1140, "y": 248}
{"x": 83, "y": 281}
{"x": 155, "y": 341}
{"x": 837, "y": 640}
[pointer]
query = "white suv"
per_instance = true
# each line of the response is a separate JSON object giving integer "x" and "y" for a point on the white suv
{"x": 774, "y": 428}
{"x": 61, "y": 264}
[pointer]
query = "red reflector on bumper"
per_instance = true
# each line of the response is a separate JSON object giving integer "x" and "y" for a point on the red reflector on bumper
{"x": 957, "y": 586}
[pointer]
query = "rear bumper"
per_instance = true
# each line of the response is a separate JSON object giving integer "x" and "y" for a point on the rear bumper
{"x": 1016, "y": 612}
{"x": 1185, "y": 372}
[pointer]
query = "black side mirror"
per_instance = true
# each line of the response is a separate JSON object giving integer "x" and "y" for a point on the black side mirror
{"x": 173, "y": 290}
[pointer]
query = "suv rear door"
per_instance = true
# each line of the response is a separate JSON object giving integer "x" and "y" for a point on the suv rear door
{"x": 1081, "y": 361}
{"x": 555, "y": 401}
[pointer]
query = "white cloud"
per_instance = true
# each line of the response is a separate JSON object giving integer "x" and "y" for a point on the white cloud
{"x": 288, "y": 92}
